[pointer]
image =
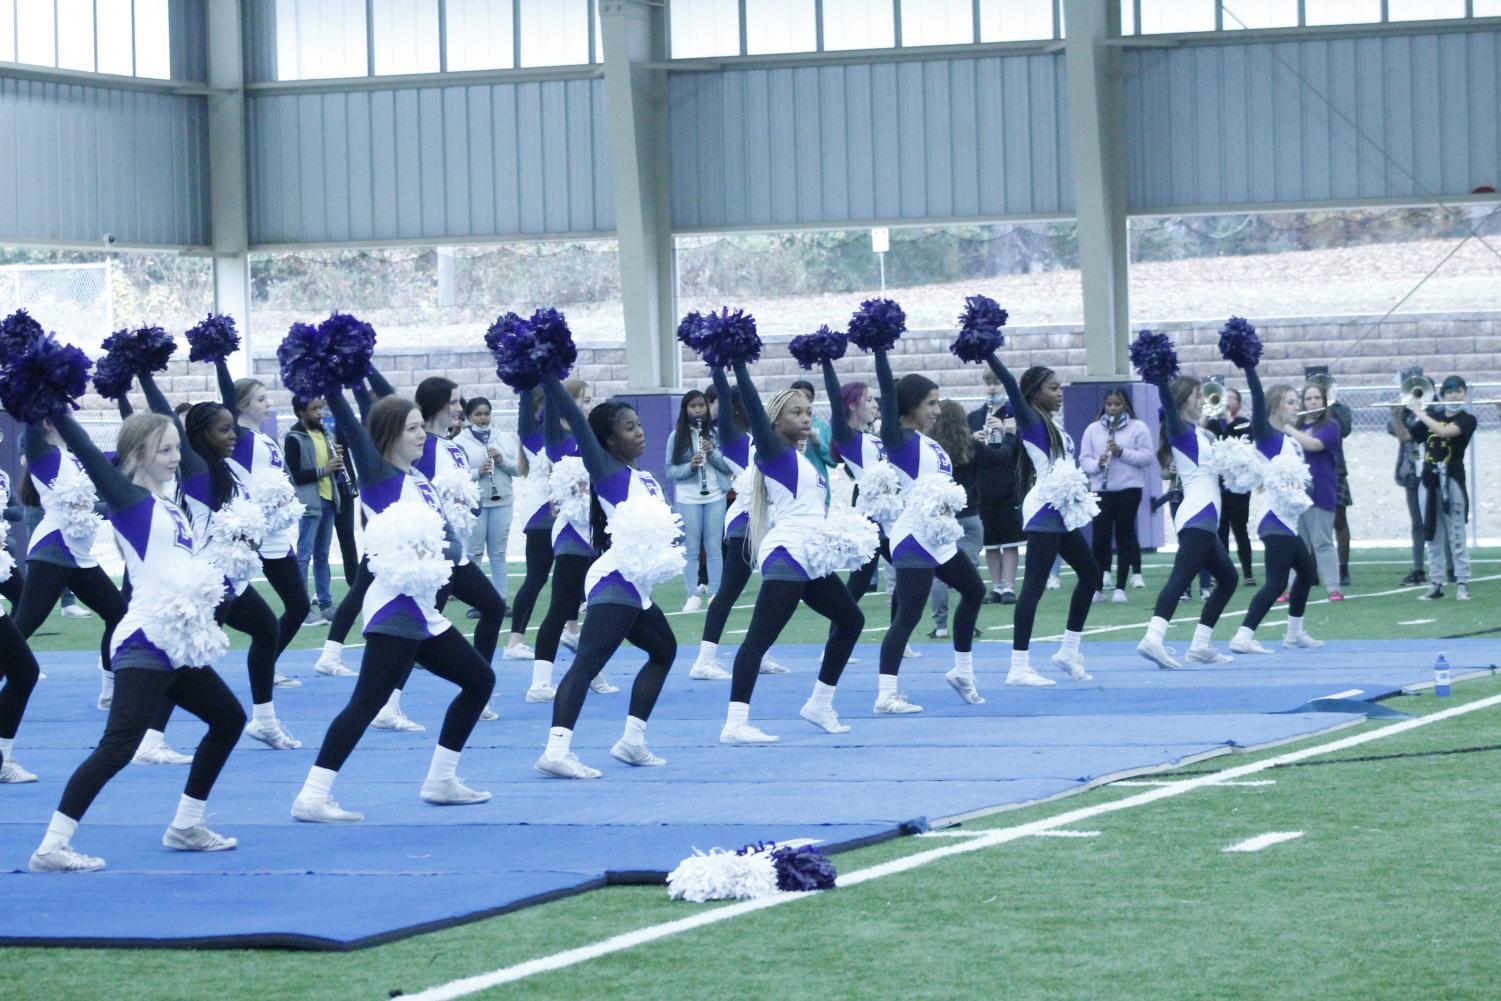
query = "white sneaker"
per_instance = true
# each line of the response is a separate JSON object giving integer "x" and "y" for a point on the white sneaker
{"x": 1248, "y": 646}
{"x": 519, "y": 651}
{"x": 965, "y": 686}
{"x": 1027, "y": 677}
{"x": 638, "y": 755}
{"x": 272, "y": 734}
{"x": 1302, "y": 641}
{"x": 282, "y": 681}
{"x": 451, "y": 792}
{"x": 1106, "y": 580}
{"x": 1119, "y": 597}
{"x": 1461, "y": 592}
{"x": 1206, "y": 655}
{"x": 395, "y": 719}
{"x": 105, "y": 700}
{"x": 332, "y": 666}
{"x": 1054, "y": 583}
{"x": 894, "y": 704}
{"x": 823, "y": 717}
{"x": 1158, "y": 654}
{"x": 744, "y": 733}
{"x": 161, "y": 754}
{"x": 567, "y": 767}
{"x": 711, "y": 671}
{"x": 910, "y": 654}
{"x": 770, "y": 665}
{"x": 1097, "y": 597}
{"x": 1072, "y": 666}
{"x": 542, "y": 693}
{"x": 488, "y": 715}
{"x": 1137, "y": 582}
{"x": 693, "y": 604}
{"x": 64, "y": 858}
{"x": 602, "y": 685}
{"x": 13, "y": 774}
{"x": 323, "y": 811}
{"x": 197, "y": 839}
{"x": 570, "y": 639}
{"x": 75, "y": 612}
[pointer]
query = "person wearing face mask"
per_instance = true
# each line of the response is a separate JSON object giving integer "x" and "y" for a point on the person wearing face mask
{"x": 1443, "y": 433}
{"x": 492, "y": 460}
{"x": 999, "y": 503}
{"x": 1116, "y": 453}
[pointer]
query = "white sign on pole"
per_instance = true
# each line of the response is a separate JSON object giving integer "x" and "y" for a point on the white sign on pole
{"x": 880, "y": 240}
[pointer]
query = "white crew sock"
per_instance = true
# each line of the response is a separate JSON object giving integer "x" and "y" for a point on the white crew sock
{"x": 635, "y": 730}
{"x": 738, "y": 714}
{"x": 964, "y": 663}
{"x": 106, "y": 682}
{"x": 1071, "y": 638}
{"x": 1157, "y": 628}
{"x": 1021, "y": 661}
{"x": 541, "y": 674}
{"x": 1244, "y": 634}
{"x": 7, "y": 744}
{"x": 885, "y": 685}
{"x": 60, "y": 831}
{"x": 152, "y": 740}
{"x": 189, "y": 812}
{"x": 318, "y": 784}
{"x": 1202, "y": 633}
{"x": 706, "y": 653}
{"x": 823, "y": 695}
{"x": 263, "y": 712}
{"x": 394, "y": 702}
{"x": 332, "y": 650}
{"x": 559, "y": 742}
{"x": 444, "y": 765}
{"x": 1295, "y": 625}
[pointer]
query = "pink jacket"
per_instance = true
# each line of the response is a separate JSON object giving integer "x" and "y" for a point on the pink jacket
{"x": 1130, "y": 468}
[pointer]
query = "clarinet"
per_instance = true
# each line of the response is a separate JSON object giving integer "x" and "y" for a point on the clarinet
{"x": 1105, "y": 460}
{"x": 703, "y": 470}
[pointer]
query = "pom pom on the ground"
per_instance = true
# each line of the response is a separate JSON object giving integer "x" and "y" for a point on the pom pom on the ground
{"x": 556, "y": 353}
{"x": 177, "y": 609}
{"x": 335, "y": 354}
{"x": 73, "y": 501}
{"x": 459, "y": 495}
{"x": 1239, "y": 344}
{"x": 504, "y": 324}
{"x": 277, "y": 498}
{"x": 691, "y": 331}
{"x": 811, "y": 350}
{"x": 1065, "y": 488}
{"x": 878, "y": 323}
{"x": 235, "y": 532}
{"x": 646, "y": 541}
{"x": 802, "y": 869}
{"x": 44, "y": 380}
{"x": 721, "y": 875}
{"x": 845, "y": 541}
{"x": 979, "y": 329}
{"x": 213, "y": 338}
{"x": 881, "y": 496}
{"x": 18, "y": 333}
{"x": 112, "y": 380}
{"x": 729, "y": 337}
{"x": 1240, "y": 464}
{"x": 142, "y": 350}
{"x": 1285, "y": 486}
{"x": 1153, "y": 356}
{"x": 568, "y": 488}
{"x": 405, "y": 544}
{"x": 933, "y": 506}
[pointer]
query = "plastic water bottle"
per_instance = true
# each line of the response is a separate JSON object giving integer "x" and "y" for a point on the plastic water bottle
{"x": 1441, "y": 677}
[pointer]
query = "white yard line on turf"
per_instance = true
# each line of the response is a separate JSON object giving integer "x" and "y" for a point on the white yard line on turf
{"x": 1416, "y": 622}
{"x": 1347, "y": 693}
{"x": 990, "y": 839}
{"x": 1161, "y": 782}
{"x": 1261, "y": 841}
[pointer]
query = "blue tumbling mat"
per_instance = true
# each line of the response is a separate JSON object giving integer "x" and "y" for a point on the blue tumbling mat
{"x": 411, "y": 867}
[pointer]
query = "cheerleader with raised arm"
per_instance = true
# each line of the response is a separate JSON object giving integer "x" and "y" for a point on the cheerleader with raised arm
{"x": 167, "y": 636}
{"x": 18, "y": 668}
{"x": 411, "y": 551}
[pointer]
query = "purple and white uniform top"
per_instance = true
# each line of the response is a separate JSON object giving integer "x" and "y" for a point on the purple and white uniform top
{"x": 738, "y": 454}
{"x": 795, "y": 494}
{"x": 49, "y": 543}
{"x": 155, "y": 538}
{"x": 569, "y": 537}
{"x": 195, "y": 498}
{"x": 1038, "y": 516}
{"x": 1273, "y": 521}
{"x": 605, "y": 583}
{"x": 1201, "y": 486}
{"x": 440, "y": 455}
{"x": 254, "y": 452}
{"x": 918, "y": 459}
{"x": 385, "y": 609}
{"x": 532, "y": 504}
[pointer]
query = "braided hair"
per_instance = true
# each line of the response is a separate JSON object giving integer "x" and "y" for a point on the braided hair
{"x": 602, "y": 425}
{"x": 196, "y": 425}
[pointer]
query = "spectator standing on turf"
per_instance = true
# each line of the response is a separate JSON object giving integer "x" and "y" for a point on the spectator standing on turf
{"x": 998, "y": 504}
{"x": 1116, "y": 453}
{"x": 817, "y": 446}
{"x": 492, "y": 459}
{"x": 1407, "y": 472}
{"x": 1316, "y": 525}
{"x": 313, "y": 460}
{"x": 1444, "y": 432}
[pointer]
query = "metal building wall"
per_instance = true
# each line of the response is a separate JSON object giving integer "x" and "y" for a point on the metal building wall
{"x": 449, "y": 162}
{"x": 870, "y": 142}
{"x": 1232, "y": 125}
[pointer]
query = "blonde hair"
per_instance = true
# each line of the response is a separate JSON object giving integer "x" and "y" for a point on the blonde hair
{"x": 244, "y": 390}
{"x": 576, "y": 388}
{"x": 760, "y": 503}
{"x": 138, "y": 434}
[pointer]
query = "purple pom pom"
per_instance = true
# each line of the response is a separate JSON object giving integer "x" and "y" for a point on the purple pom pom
{"x": 730, "y": 338}
{"x": 212, "y": 338}
{"x": 111, "y": 379}
{"x": 554, "y": 343}
{"x": 691, "y": 331}
{"x": 1153, "y": 356}
{"x": 979, "y": 329}
{"x": 44, "y": 381}
{"x": 1239, "y": 344}
{"x": 145, "y": 349}
{"x": 518, "y": 357}
{"x": 503, "y": 324}
{"x": 330, "y": 356}
{"x": 18, "y": 333}
{"x": 801, "y": 869}
{"x": 822, "y": 345}
{"x": 878, "y": 323}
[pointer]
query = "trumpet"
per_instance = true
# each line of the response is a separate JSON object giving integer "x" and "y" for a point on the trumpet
{"x": 1415, "y": 389}
{"x": 1214, "y": 398}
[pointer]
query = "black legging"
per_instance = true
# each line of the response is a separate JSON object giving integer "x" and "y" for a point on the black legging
{"x": 863, "y": 579}
{"x": 44, "y": 585}
{"x": 388, "y": 659}
{"x": 250, "y": 615}
{"x": 605, "y": 627}
{"x": 18, "y": 669}
{"x": 469, "y": 585}
{"x": 1117, "y": 517}
{"x": 732, "y": 580}
{"x": 1284, "y": 553}
{"x": 1199, "y": 549}
{"x": 913, "y": 585}
{"x": 568, "y": 574}
{"x": 1237, "y": 518}
{"x": 538, "y": 565}
{"x": 16, "y": 582}
{"x": 344, "y": 530}
{"x": 1042, "y": 549}
{"x": 290, "y": 585}
{"x": 349, "y": 606}
{"x": 777, "y": 600}
{"x": 139, "y": 693}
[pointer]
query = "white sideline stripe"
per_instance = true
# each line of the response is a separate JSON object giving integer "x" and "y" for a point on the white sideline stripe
{"x": 1347, "y": 693}
{"x": 629, "y": 940}
{"x": 1068, "y": 834}
{"x": 1261, "y": 841}
{"x": 1416, "y": 622}
{"x": 951, "y": 834}
{"x": 1160, "y": 782}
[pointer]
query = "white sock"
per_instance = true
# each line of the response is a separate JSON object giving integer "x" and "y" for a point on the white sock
{"x": 1295, "y": 625}
{"x": 318, "y": 784}
{"x": 189, "y": 812}
{"x": 1202, "y": 633}
{"x": 263, "y": 712}
{"x": 737, "y": 715}
{"x": 1244, "y": 634}
{"x": 106, "y": 682}
{"x": 7, "y": 744}
{"x": 635, "y": 730}
{"x": 559, "y": 742}
{"x": 541, "y": 674}
{"x": 60, "y": 831}
{"x": 823, "y": 695}
{"x": 152, "y": 740}
{"x": 1157, "y": 628}
{"x": 1021, "y": 661}
{"x": 706, "y": 653}
{"x": 332, "y": 650}
{"x": 444, "y": 765}
{"x": 885, "y": 685}
{"x": 394, "y": 702}
{"x": 964, "y": 663}
{"x": 1070, "y": 648}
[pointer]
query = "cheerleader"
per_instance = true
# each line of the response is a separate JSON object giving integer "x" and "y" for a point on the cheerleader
{"x": 537, "y": 520}
{"x": 402, "y": 623}
{"x": 18, "y": 667}
{"x": 331, "y": 659}
{"x": 862, "y": 453}
{"x": 1236, "y": 516}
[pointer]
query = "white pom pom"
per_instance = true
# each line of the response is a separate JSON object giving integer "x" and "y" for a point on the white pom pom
{"x": 271, "y": 489}
{"x": 177, "y": 612}
{"x": 568, "y": 488}
{"x": 460, "y": 497}
{"x": 405, "y": 545}
{"x": 71, "y": 501}
{"x": 881, "y": 498}
{"x": 7, "y": 566}
{"x": 933, "y": 504}
{"x": 1065, "y": 488}
{"x": 846, "y": 541}
{"x": 722, "y": 875}
{"x": 1286, "y": 486}
{"x": 644, "y": 538}
{"x": 235, "y": 532}
{"x": 1239, "y": 464}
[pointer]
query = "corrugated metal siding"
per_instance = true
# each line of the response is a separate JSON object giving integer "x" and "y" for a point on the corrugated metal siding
{"x": 92, "y": 160}
{"x": 934, "y": 139}
{"x": 432, "y": 163}
{"x": 1213, "y": 125}
{"x": 187, "y": 21}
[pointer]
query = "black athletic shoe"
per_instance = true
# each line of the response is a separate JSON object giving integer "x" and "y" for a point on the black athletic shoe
{"x": 994, "y": 598}
{"x": 1344, "y": 579}
{"x": 1008, "y": 597}
{"x": 1415, "y": 578}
